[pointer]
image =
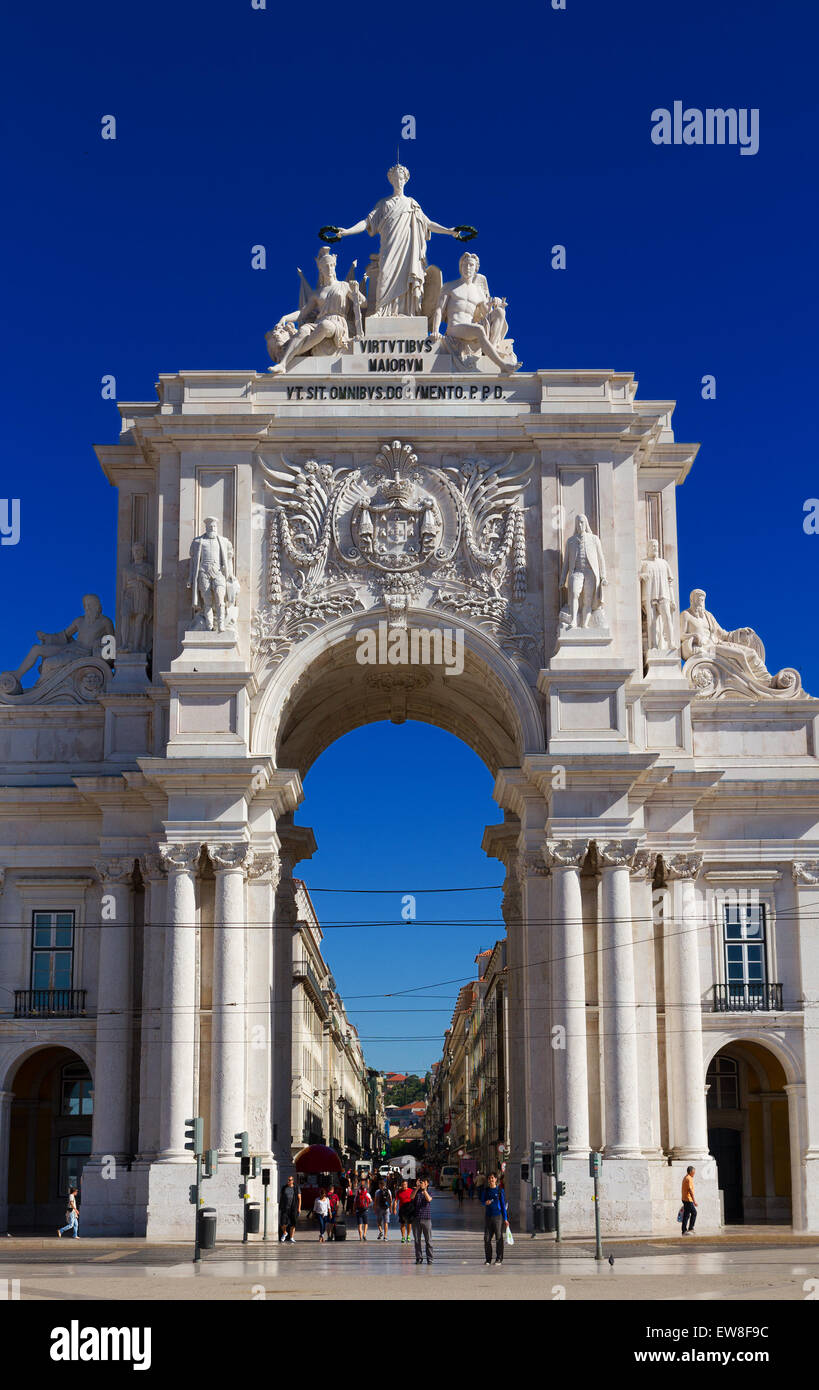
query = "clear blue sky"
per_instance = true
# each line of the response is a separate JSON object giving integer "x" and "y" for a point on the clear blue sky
{"x": 239, "y": 126}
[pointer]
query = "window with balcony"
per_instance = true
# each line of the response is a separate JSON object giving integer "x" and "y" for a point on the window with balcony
{"x": 52, "y": 970}
{"x": 745, "y": 948}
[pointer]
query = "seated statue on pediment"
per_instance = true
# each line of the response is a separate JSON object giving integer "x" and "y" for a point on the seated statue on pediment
{"x": 92, "y": 634}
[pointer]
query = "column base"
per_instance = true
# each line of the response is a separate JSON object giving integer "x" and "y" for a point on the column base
{"x": 638, "y": 1197}
{"x": 153, "y": 1200}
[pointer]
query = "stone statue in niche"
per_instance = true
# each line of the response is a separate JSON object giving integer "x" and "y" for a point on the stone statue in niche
{"x": 212, "y": 579}
{"x": 583, "y": 578}
{"x": 475, "y": 321}
{"x": 325, "y": 321}
{"x": 404, "y": 230}
{"x": 92, "y": 634}
{"x": 658, "y": 598}
{"x": 136, "y": 606}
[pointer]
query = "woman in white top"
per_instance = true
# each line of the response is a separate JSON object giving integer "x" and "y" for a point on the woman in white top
{"x": 321, "y": 1210}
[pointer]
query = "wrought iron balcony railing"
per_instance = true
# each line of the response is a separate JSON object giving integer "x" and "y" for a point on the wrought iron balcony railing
{"x": 747, "y": 998}
{"x": 49, "y": 1003}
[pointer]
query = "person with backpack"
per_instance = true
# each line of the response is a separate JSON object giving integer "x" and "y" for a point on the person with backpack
{"x": 333, "y": 1199}
{"x": 496, "y": 1220}
{"x": 405, "y": 1204}
{"x": 363, "y": 1202}
{"x": 383, "y": 1207}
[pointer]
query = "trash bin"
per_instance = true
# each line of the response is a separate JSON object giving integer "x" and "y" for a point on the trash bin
{"x": 550, "y": 1216}
{"x": 206, "y": 1217}
{"x": 253, "y": 1214}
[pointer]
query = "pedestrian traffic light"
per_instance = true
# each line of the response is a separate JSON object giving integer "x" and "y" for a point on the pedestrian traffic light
{"x": 265, "y": 1177}
{"x": 595, "y": 1164}
{"x": 211, "y": 1162}
{"x": 560, "y": 1188}
{"x": 548, "y": 1163}
{"x": 561, "y": 1139}
{"x": 194, "y": 1134}
{"x": 524, "y": 1172}
{"x": 244, "y": 1166}
{"x": 242, "y": 1145}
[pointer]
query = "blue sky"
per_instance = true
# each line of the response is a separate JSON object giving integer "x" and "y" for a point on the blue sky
{"x": 239, "y": 126}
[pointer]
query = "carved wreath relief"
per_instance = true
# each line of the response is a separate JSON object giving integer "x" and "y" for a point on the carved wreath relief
{"x": 396, "y": 533}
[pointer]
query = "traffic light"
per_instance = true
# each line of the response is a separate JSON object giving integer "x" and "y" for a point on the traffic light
{"x": 595, "y": 1164}
{"x": 560, "y": 1188}
{"x": 548, "y": 1164}
{"x": 242, "y": 1145}
{"x": 211, "y": 1162}
{"x": 535, "y": 1152}
{"x": 524, "y": 1172}
{"x": 194, "y": 1134}
{"x": 561, "y": 1139}
{"x": 244, "y": 1166}
{"x": 265, "y": 1177}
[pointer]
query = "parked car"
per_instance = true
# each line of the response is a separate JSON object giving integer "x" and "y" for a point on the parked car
{"x": 449, "y": 1173}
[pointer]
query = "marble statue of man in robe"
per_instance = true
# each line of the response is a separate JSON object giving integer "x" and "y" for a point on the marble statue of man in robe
{"x": 658, "y": 597}
{"x": 702, "y": 635}
{"x": 583, "y": 575}
{"x": 86, "y": 636}
{"x": 137, "y": 602}
{"x": 404, "y": 229}
{"x": 211, "y": 575}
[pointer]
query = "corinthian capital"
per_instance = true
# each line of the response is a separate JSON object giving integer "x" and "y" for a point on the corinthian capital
{"x": 806, "y": 871}
{"x": 265, "y": 868}
{"x": 617, "y": 854}
{"x": 118, "y": 870}
{"x": 152, "y": 866}
{"x": 230, "y": 855}
{"x": 179, "y": 858}
{"x": 682, "y": 865}
{"x": 565, "y": 854}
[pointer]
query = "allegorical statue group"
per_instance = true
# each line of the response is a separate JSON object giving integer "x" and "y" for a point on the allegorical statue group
{"x": 399, "y": 282}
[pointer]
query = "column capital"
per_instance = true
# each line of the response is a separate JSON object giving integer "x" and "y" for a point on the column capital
{"x": 152, "y": 866}
{"x": 179, "y": 857}
{"x": 565, "y": 854}
{"x": 682, "y": 865}
{"x": 806, "y": 872}
{"x": 265, "y": 868}
{"x": 227, "y": 855}
{"x": 529, "y": 865}
{"x": 619, "y": 854}
{"x": 116, "y": 870}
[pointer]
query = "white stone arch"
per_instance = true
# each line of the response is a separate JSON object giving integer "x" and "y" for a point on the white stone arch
{"x": 511, "y": 710}
{"x": 780, "y": 1048}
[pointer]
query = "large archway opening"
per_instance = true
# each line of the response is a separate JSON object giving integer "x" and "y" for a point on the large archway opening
{"x": 748, "y": 1134}
{"x": 50, "y": 1136}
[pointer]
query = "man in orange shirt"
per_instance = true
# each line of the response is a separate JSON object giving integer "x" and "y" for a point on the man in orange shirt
{"x": 689, "y": 1204}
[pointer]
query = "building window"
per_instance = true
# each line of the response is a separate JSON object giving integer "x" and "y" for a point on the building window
{"x": 77, "y": 1095}
{"x": 722, "y": 1079}
{"x": 52, "y": 950}
{"x": 745, "y": 962}
{"x": 74, "y": 1150}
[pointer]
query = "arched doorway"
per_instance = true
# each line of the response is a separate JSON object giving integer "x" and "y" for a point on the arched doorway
{"x": 748, "y": 1133}
{"x": 50, "y": 1136}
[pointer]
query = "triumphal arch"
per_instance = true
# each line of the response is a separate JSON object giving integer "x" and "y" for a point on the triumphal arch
{"x": 294, "y": 545}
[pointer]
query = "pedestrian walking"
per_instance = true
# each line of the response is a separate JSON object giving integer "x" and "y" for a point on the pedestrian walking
{"x": 334, "y": 1200}
{"x": 422, "y": 1221}
{"x": 405, "y": 1203}
{"x": 289, "y": 1208}
{"x": 72, "y": 1215}
{"x": 459, "y": 1190}
{"x": 352, "y": 1193}
{"x": 496, "y": 1220}
{"x": 363, "y": 1202}
{"x": 688, "y": 1202}
{"x": 321, "y": 1211}
{"x": 470, "y": 1182}
{"x": 383, "y": 1207}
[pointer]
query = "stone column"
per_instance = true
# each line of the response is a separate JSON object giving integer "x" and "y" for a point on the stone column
{"x": 622, "y": 1114}
{"x": 683, "y": 1010}
{"x": 283, "y": 930}
{"x": 533, "y": 882}
{"x": 227, "y": 1099}
{"x": 178, "y": 1000}
{"x": 6, "y": 1097}
{"x": 512, "y": 911}
{"x": 263, "y": 876}
{"x": 803, "y": 1104}
{"x": 565, "y": 858}
{"x": 112, "y": 1072}
{"x": 154, "y": 874}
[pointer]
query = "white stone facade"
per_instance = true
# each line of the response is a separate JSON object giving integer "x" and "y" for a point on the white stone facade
{"x": 148, "y": 816}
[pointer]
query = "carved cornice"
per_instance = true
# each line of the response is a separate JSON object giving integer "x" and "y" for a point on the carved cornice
{"x": 565, "y": 854}
{"x": 682, "y": 865}
{"x": 179, "y": 857}
{"x": 230, "y": 855}
{"x": 117, "y": 870}
{"x": 265, "y": 868}
{"x": 806, "y": 872}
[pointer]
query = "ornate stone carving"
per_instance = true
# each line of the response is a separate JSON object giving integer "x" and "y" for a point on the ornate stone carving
{"x": 325, "y": 321}
{"x": 806, "y": 871}
{"x": 153, "y": 866}
{"x": 682, "y": 865}
{"x": 718, "y": 663}
{"x": 265, "y": 868}
{"x": 117, "y": 870}
{"x": 212, "y": 579}
{"x": 230, "y": 854}
{"x": 74, "y": 663}
{"x": 178, "y": 857}
{"x": 583, "y": 577}
{"x": 475, "y": 320}
{"x": 617, "y": 854}
{"x": 565, "y": 854}
{"x": 658, "y": 598}
{"x": 136, "y": 604}
{"x": 530, "y": 865}
{"x": 450, "y": 536}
